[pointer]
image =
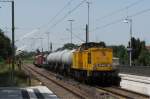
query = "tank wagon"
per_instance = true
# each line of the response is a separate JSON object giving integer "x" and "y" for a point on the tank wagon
{"x": 89, "y": 63}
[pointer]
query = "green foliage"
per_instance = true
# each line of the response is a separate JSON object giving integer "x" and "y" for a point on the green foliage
{"x": 140, "y": 55}
{"x": 1, "y": 60}
{"x": 20, "y": 78}
{"x": 68, "y": 46}
{"x": 137, "y": 46}
{"x": 102, "y": 44}
{"x": 27, "y": 56}
{"x": 5, "y": 45}
{"x": 144, "y": 58}
{"x": 120, "y": 52}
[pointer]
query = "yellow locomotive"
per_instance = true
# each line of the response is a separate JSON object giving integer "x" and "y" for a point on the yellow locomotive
{"x": 92, "y": 63}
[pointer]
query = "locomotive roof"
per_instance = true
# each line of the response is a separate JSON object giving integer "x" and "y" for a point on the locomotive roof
{"x": 90, "y": 45}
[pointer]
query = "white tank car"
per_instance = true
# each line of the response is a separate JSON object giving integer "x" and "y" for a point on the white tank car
{"x": 67, "y": 57}
{"x": 50, "y": 58}
{"x": 61, "y": 57}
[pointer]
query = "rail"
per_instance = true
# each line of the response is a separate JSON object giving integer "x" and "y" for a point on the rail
{"x": 112, "y": 91}
{"x": 127, "y": 94}
{"x": 69, "y": 88}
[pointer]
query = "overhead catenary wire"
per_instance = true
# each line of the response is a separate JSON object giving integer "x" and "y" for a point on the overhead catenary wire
{"x": 6, "y": 0}
{"x": 121, "y": 19}
{"x": 119, "y": 10}
{"x": 57, "y": 14}
{"x": 115, "y": 12}
{"x": 66, "y": 15}
{"x": 140, "y": 12}
{"x": 108, "y": 24}
{"x": 78, "y": 37}
{"x": 114, "y": 22}
{"x": 52, "y": 19}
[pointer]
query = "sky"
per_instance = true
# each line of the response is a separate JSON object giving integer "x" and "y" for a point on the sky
{"x": 36, "y": 19}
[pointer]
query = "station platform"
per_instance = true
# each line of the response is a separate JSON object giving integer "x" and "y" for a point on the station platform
{"x": 140, "y": 84}
{"x": 36, "y": 92}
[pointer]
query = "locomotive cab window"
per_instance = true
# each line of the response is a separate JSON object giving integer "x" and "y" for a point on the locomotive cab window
{"x": 89, "y": 58}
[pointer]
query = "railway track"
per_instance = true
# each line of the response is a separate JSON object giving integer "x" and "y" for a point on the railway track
{"x": 48, "y": 78}
{"x": 83, "y": 91}
{"x": 123, "y": 93}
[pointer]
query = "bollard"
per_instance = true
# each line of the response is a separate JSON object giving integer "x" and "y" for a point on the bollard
{"x": 29, "y": 78}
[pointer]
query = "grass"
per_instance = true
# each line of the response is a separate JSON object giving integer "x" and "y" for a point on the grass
{"x": 1, "y": 62}
{"x": 4, "y": 75}
{"x": 28, "y": 60}
{"x": 20, "y": 78}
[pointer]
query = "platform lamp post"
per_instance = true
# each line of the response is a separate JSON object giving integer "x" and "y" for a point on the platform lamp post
{"x": 48, "y": 41}
{"x": 71, "y": 28}
{"x": 41, "y": 43}
{"x": 129, "y": 20}
{"x": 13, "y": 37}
{"x": 88, "y": 24}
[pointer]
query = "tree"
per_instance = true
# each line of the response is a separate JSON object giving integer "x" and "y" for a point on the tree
{"x": 120, "y": 52}
{"x": 102, "y": 44}
{"x": 137, "y": 45}
{"x": 144, "y": 58}
{"x": 5, "y": 45}
{"x": 140, "y": 55}
{"x": 68, "y": 46}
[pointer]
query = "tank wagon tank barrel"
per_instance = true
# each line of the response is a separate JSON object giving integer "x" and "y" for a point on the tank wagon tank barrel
{"x": 64, "y": 57}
